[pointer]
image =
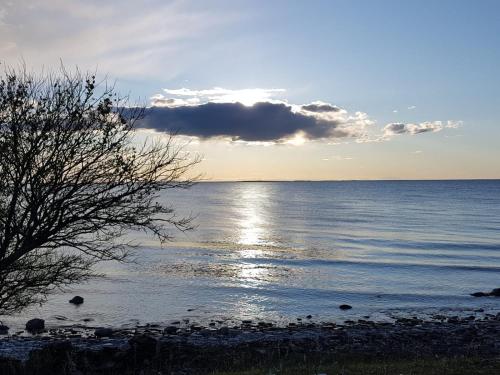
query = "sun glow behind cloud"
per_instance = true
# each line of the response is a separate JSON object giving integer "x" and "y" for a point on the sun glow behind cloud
{"x": 247, "y": 97}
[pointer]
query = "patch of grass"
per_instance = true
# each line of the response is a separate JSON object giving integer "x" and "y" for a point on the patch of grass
{"x": 459, "y": 366}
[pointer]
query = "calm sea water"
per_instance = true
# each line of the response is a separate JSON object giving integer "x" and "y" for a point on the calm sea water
{"x": 282, "y": 250}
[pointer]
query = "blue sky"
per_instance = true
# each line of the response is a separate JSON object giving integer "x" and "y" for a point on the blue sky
{"x": 395, "y": 61}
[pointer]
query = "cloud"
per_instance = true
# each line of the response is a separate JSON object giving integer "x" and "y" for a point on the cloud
{"x": 258, "y": 116}
{"x": 250, "y": 115}
{"x": 423, "y": 127}
{"x": 260, "y": 122}
{"x": 320, "y": 107}
{"x": 126, "y": 40}
{"x": 222, "y": 95}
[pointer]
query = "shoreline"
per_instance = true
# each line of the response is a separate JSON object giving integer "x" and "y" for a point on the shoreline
{"x": 195, "y": 349}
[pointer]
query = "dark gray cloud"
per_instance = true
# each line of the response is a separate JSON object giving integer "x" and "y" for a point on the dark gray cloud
{"x": 263, "y": 121}
{"x": 396, "y": 128}
{"x": 323, "y": 107}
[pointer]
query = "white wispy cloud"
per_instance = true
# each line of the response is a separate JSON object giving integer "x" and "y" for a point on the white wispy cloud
{"x": 131, "y": 39}
{"x": 423, "y": 127}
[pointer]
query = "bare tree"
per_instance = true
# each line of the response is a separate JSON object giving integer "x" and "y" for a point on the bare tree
{"x": 73, "y": 181}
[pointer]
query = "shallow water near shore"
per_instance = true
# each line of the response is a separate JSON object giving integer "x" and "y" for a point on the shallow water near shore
{"x": 276, "y": 251}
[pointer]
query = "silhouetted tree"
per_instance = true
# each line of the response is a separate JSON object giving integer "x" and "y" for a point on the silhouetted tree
{"x": 73, "y": 180}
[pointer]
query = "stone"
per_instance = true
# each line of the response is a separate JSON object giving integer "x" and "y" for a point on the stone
{"x": 103, "y": 332}
{"x": 3, "y": 329}
{"x": 345, "y": 307}
{"x": 479, "y": 294}
{"x": 35, "y": 325}
{"x": 76, "y": 300}
{"x": 495, "y": 292}
{"x": 309, "y": 317}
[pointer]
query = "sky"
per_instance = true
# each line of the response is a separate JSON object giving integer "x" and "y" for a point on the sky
{"x": 290, "y": 90}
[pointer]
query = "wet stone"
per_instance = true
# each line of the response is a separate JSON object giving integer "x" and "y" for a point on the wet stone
{"x": 35, "y": 325}
{"x": 3, "y": 329}
{"x": 76, "y": 300}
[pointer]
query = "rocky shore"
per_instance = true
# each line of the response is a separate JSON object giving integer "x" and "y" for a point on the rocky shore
{"x": 186, "y": 348}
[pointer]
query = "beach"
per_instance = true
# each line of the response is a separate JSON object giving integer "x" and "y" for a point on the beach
{"x": 185, "y": 348}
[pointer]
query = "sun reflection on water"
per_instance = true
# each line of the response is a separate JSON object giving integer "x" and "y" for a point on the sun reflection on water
{"x": 253, "y": 235}
{"x": 251, "y": 213}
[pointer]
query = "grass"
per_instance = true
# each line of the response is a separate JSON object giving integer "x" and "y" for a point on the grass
{"x": 463, "y": 366}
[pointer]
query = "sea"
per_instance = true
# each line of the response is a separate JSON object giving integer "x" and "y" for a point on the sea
{"x": 287, "y": 251}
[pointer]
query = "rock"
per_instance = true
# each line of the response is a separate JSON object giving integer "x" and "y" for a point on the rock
{"x": 170, "y": 330}
{"x": 495, "y": 292}
{"x": 479, "y": 294}
{"x": 76, "y": 300}
{"x": 345, "y": 307}
{"x": 3, "y": 329}
{"x": 103, "y": 332}
{"x": 246, "y": 321}
{"x": 35, "y": 325}
{"x": 309, "y": 317}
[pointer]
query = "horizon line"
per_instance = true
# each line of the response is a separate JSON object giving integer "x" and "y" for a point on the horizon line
{"x": 355, "y": 180}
